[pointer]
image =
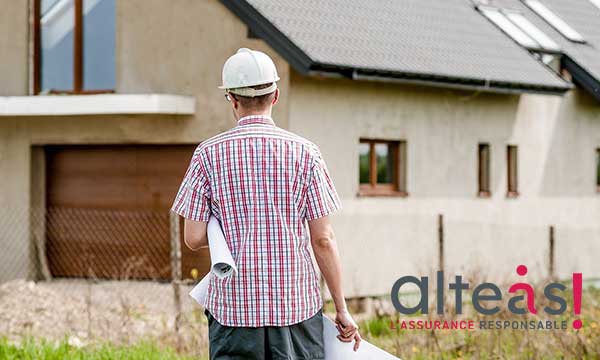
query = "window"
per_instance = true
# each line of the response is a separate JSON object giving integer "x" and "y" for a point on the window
{"x": 382, "y": 167}
{"x": 512, "y": 171}
{"x": 484, "y": 170}
{"x": 533, "y": 31}
{"x": 551, "y": 18}
{"x": 521, "y": 30}
{"x": 598, "y": 170}
{"x": 512, "y": 30}
{"x": 74, "y": 46}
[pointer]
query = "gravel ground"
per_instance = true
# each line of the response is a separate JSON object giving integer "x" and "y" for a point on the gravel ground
{"x": 122, "y": 312}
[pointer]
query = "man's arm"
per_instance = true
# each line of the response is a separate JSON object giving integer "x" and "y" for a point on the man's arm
{"x": 194, "y": 234}
{"x": 326, "y": 253}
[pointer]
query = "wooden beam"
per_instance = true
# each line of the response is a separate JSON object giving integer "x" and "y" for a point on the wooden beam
{"x": 78, "y": 48}
{"x": 373, "y": 164}
{"x": 36, "y": 48}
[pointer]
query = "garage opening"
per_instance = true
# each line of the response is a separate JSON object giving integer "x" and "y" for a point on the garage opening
{"x": 107, "y": 211}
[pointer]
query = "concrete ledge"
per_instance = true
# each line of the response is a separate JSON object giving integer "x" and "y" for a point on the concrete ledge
{"x": 52, "y": 105}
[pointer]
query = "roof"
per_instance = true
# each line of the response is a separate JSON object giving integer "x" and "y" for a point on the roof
{"x": 445, "y": 43}
{"x": 581, "y": 59}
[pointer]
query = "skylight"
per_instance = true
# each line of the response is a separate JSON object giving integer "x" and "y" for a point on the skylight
{"x": 596, "y": 2}
{"x": 512, "y": 30}
{"x": 533, "y": 31}
{"x": 559, "y": 24}
{"x": 515, "y": 25}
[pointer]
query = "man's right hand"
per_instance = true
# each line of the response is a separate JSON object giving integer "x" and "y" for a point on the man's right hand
{"x": 347, "y": 328}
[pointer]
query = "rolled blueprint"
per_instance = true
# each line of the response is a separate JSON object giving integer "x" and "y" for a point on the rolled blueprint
{"x": 201, "y": 289}
{"x": 337, "y": 350}
{"x": 224, "y": 266}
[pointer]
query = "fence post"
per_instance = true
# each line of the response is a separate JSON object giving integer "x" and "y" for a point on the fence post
{"x": 38, "y": 212}
{"x": 441, "y": 242}
{"x": 175, "y": 266}
{"x": 551, "y": 253}
{"x": 38, "y": 232}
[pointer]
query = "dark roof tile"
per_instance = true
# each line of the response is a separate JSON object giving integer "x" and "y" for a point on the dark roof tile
{"x": 448, "y": 39}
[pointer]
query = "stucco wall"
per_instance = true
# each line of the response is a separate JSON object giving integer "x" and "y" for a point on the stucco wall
{"x": 384, "y": 238}
{"x": 13, "y": 47}
{"x": 180, "y": 47}
{"x": 175, "y": 47}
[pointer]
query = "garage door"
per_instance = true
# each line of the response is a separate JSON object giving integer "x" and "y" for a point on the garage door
{"x": 108, "y": 211}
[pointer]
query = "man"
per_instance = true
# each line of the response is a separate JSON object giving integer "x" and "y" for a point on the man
{"x": 264, "y": 184}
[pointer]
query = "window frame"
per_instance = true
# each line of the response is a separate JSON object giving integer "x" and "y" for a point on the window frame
{"x": 597, "y": 170}
{"x": 397, "y": 152}
{"x": 554, "y": 20}
{"x": 77, "y": 88}
{"x": 512, "y": 171}
{"x": 507, "y": 26}
{"x": 546, "y": 43}
{"x": 483, "y": 170}
{"x": 520, "y": 29}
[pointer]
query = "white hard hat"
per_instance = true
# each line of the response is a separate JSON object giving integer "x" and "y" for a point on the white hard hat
{"x": 247, "y": 68}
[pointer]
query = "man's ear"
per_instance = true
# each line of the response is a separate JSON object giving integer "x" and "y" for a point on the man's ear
{"x": 276, "y": 97}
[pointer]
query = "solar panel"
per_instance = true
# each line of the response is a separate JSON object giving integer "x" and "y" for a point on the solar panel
{"x": 512, "y": 30}
{"x": 559, "y": 24}
{"x": 533, "y": 31}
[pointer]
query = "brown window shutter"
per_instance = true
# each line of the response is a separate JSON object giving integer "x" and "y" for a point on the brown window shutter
{"x": 484, "y": 169}
{"x": 512, "y": 172}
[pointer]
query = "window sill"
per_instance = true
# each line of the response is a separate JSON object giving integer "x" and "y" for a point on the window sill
{"x": 512, "y": 194}
{"x": 484, "y": 194}
{"x": 99, "y": 104}
{"x": 381, "y": 193}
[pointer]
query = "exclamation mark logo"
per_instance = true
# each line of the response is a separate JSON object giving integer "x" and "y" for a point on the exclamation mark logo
{"x": 577, "y": 280}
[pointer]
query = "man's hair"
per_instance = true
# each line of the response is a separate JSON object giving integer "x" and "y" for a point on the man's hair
{"x": 256, "y": 102}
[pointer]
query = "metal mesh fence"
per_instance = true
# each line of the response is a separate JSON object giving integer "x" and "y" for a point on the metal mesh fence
{"x": 98, "y": 275}
{"x": 108, "y": 244}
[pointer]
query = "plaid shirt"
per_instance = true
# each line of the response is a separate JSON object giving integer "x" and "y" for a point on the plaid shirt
{"x": 262, "y": 183}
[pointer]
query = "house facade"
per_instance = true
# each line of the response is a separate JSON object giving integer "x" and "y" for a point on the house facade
{"x": 454, "y": 118}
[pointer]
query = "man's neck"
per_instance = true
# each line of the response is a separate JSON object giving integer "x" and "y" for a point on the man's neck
{"x": 241, "y": 114}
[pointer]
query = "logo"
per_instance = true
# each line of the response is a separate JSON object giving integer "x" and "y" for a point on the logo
{"x": 521, "y": 301}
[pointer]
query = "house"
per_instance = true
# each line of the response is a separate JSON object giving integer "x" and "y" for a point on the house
{"x": 420, "y": 108}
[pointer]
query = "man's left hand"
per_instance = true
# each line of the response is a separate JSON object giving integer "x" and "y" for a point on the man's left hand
{"x": 347, "y": 328}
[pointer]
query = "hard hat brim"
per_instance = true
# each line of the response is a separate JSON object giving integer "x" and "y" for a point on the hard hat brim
{"x": 224, "y": 87}
{"x": 250, "y": 92}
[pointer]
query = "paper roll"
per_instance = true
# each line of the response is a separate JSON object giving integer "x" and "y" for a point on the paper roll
{"x": 199, "y": 291}
{"x": 222, "y": 264}
{"x": 337, "y": 350}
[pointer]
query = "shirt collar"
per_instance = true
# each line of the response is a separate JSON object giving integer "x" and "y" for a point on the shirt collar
{"x": 256, "y": 119}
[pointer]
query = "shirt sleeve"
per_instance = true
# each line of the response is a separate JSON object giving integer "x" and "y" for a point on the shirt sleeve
{"x": 194, "y": 196}
{"x": 322, "y": 198}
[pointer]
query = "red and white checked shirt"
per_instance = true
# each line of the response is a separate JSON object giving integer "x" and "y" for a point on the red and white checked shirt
{"x": 263, "y": 183}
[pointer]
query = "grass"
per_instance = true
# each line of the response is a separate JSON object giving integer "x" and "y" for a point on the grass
{"x": 31, "y": 349}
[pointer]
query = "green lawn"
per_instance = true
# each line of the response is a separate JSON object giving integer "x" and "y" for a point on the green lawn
{"x": 32, "y": 349}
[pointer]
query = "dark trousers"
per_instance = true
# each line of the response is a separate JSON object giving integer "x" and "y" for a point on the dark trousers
{"x": 302, "y": 341}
